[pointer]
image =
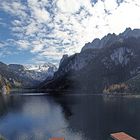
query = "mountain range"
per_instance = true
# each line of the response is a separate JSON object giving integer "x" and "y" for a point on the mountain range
{"x": 25, "y": 76}
{"x": 107, "y": 65}
{"x": 110, "y": 64}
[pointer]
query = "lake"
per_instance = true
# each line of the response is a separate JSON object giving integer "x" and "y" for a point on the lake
{"x": 73, "y": 116}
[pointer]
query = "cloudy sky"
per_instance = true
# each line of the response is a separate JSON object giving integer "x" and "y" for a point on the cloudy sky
{"x": 37, "y": 31}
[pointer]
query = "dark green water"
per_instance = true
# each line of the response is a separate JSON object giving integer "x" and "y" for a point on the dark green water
{"x": 75, "y": 117}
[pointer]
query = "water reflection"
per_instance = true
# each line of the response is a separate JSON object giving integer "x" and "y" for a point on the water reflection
{"x": 98, "y": 116}
{"x": 75, "y": 117}
{"x": 34, "y": 118}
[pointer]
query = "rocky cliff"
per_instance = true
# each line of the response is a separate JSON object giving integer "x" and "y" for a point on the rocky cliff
{"x": 112, "y": 60}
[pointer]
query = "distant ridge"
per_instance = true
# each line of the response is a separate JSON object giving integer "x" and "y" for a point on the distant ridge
{"x": 28, "y": 76}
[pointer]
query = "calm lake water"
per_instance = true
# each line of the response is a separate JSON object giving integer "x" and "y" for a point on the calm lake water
{"x": 75, "y": 117}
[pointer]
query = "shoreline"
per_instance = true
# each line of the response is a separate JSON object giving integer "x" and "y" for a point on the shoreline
{"x": 36, "y": 92}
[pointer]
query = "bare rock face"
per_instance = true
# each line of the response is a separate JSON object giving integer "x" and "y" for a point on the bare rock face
{"x": 111, "y": 60}
{"x": 111, "y": 39}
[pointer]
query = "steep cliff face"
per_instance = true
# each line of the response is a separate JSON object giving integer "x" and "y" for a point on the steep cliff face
{"x": 95, "y": 68}
{"x": 105, "y": 41}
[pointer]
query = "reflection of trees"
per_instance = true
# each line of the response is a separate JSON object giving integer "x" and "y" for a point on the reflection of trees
{"x": 9, "y": 102}
{"x": 3, "y": 105}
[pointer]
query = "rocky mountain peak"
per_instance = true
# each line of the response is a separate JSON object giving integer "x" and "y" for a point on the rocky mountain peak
{"x": 101, "y": 63}
{"x": 110, "y": 39}
{"x": 26, "y": 75}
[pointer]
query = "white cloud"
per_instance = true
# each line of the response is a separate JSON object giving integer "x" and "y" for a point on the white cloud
{"x": 15, "y": 8}
{"x": 41, "y": 15}
{"x": 38, "y": 46}
{"x": 110, "y": 5}
{"x": 67, "y": 6}
{"x": 38, "y": 11}
{"x": 31, "y": 28}
{"x": 51, "y": 29}
{"x": 24, "y": 44}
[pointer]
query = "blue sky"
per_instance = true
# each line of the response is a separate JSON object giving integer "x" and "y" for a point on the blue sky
{"x": 38, "y": 31}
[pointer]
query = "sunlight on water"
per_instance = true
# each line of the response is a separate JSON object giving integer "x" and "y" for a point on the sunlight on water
{"x": 74, "y": 117}
{"x": 35, "y": 118}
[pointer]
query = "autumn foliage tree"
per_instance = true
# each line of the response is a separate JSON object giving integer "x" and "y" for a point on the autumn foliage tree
{"x": 116, "y": 88}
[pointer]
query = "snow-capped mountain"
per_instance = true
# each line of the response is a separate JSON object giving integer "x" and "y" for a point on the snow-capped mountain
{"x": 38, "y": 72}
{"x": 39, "y": 67}
{"x": 26, "y": 75}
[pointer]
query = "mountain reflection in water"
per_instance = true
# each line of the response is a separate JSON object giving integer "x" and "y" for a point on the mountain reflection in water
{"x": 75, "y": 117}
